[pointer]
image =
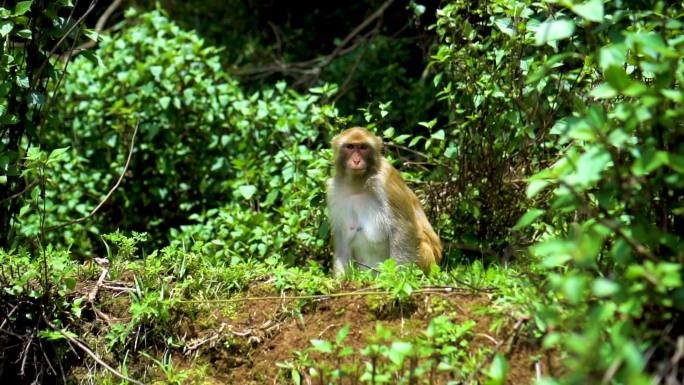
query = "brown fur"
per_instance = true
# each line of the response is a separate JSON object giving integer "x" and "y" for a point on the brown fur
{"x": 412, "y": 238}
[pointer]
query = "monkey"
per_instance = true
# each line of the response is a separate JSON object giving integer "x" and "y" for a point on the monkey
{"x": 373, "y": 214}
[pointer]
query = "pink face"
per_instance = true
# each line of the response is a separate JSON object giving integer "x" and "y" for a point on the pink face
{"x": 357, "y": 156}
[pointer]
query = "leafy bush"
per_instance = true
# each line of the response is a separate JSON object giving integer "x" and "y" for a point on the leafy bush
{"x": 201, "y": 144}
{"x": 609, "y": 238}
{"x": 31, "y": 32}
{"x": 504, "y": 94}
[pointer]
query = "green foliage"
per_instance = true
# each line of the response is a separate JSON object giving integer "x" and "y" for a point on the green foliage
{"x": 506, "y": 76}
{"x": 247, "y": 169}
{"x": 31, "y": 32}
{"x": 441, "y": 349}
{"x": 610, "y": 243}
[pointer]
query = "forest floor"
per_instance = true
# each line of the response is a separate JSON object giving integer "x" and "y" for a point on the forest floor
{"x": 258, "y": 337}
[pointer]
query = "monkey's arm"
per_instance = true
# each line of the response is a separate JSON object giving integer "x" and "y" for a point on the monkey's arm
{"x": 403, "y": 238}
{"x": 342, "y": 253}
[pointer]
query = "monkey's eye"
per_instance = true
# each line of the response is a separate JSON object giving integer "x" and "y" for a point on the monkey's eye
{"x": 363, "y": 146}
{"x": 349, "y": 146}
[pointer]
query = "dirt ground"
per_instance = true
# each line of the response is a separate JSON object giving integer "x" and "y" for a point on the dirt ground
{"x": 258, "y": 334}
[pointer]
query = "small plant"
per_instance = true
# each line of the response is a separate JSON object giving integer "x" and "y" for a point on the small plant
{"x": 399, "y": 282}
{"x": 440, "y": 351}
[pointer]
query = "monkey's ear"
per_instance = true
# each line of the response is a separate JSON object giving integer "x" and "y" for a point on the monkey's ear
{"x": 335, "y": 142}
{"x": 378, "y": 143}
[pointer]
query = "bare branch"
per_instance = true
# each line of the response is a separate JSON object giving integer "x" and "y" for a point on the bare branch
{"x": 99, "y": 26}
{"x": 109, "y": 194}
{"x": 314, "y": 66}
{"x": 89, "y": 351}
{"x": 28, "y": 187}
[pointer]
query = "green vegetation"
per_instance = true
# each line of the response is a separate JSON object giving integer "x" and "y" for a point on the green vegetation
{"x": 162, "y": 200}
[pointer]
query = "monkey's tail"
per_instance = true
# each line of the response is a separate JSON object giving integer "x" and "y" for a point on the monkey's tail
{"x": 429, "y": 250}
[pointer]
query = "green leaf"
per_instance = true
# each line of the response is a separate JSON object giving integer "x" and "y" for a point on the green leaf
{"x": 91, "y": 34}
{"x": 156, "y": 71}
{"x": 591, "y": 10}
{"x": 5, "y": 28}
{"x": 552, "y": 30}
{"x": 57, "y": 154}
{"x": 439, "y": 135}
{"x": 24, "y": 34}
{"x": 322, "y": 346}
{"x": 603, "y": 287}
{"x": 247, "y": 191}
{"x": 388, "y": 133}
{"x": 164, "y": 102}
{"x": 612, "y": 54}
{"x": 429, "y": 124}
{"x": 497, "y": 371}
{"x": 22, "y": 7}
{"x": 649, "y": 161}
{"x": 505, "y": 25}
{"x": 399, "y": 350}
{"x": 530, "y": 216}
{"x": 590, "y": 166}
{"x": 535, "y": 186}
{"x": 70, "y": 282}
{"x": 342, "y": 334}
{"x": 92, "y": 57}
{"x": 617, "y": 78}
{"x": 603, "y": 91}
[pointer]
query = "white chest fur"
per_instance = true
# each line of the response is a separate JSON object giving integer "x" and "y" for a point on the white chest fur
{"x": 363, "y": 221}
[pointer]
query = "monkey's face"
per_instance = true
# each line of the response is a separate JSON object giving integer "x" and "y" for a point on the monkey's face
{"x": 358, "y": 157}
{"x": 357, "y": 152}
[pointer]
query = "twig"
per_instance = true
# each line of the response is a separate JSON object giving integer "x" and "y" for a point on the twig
{"x": 109, "y": 194}
{"x": 357, "y": 30}
{"x": 496, "y": 349}
{"x": 61, "y": 40}
{"x": 25, "y": 356}
{"x": 610, "y": 373}
{"x": 318, "y": 63}
{"x": 93, "y": 293}
{"x": 366, "y": 266}
{"x": 407, "y": 149}
{"x": 426, "y": 290}
{"x": 487, "y": 336}
{"x": 88, "y": 351}
{"x": 194, "y": 346}
{"x": 99, "y": 26}
{"x": 30, "y": 185}
{"x": 326, "y": 329}
{"x": 633, "y": 244}
{"x": 463, "y": 246}
{"x": 538, "y": 370}
{"x": 7, "y": 317}
{"x": 118, "y": 288}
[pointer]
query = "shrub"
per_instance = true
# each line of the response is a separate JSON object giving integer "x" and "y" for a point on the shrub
{"x": 201, "y": 144}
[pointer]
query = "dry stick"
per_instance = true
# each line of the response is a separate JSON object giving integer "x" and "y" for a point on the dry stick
{"x": 322, "y": 296}
{"x": 92, "y": 354}
{"x": 340, "y": 50}
{"x": 7, "y": 317}
{"x": 357, "y": 30}
{"x": 109, "y": 194}
{"x": 93, "y": 293}
{"x": 498, "y": 347}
